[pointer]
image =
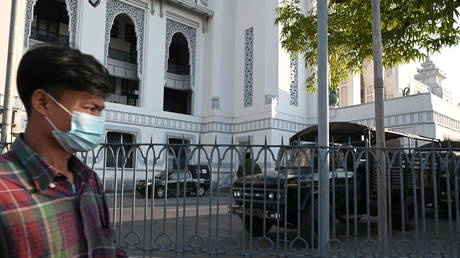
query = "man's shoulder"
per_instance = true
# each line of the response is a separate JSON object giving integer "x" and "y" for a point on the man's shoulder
{"x": 12, "y": 173}
{"x": 9, "y": 163}
{"x": 13, "y": 181}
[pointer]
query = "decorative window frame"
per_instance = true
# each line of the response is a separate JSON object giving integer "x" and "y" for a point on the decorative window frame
{"x": 294, "y": 81}
{"x": 72, "y": 11}
{"x": 248, "y": 66}
{"x": 120, "y": 152}
{"x": 115, "y": 8}
{"x": 173, "y": 27}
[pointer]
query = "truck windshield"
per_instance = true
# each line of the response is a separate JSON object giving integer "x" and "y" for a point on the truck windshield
{"x": 307, "y": 158}
{"x": 296, "y": 157}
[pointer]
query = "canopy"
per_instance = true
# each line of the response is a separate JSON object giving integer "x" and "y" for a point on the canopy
{"x": 349, "y": 133}
{"x": 446, "y": 144}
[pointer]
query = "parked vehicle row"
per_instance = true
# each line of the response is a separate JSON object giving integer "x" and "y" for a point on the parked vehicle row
{"x": 288, "y": 195}
{"x": 421, "y": 174}
{"x": 194, "y": 179}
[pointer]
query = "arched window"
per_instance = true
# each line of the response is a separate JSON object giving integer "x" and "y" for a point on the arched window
{"x": 178, "y": 91}
{"x": 122, "y": 62}
{"x": 126, "y": 156}
{"x": 50, "y": 23}
{"x": 123, "y": 40}
{"x": 179, "y": 56}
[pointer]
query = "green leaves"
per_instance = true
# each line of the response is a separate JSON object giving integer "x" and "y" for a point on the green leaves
{"x": 410, "y": 29}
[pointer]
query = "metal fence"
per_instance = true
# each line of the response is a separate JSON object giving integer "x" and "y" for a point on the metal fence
{"x": 250, "y": 200}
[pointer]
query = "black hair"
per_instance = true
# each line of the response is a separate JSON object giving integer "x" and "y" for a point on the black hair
{"x": 56, "y": 69}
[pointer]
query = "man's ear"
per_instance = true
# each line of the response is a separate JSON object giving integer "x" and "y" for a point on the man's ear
{"x": 40, "y": 102}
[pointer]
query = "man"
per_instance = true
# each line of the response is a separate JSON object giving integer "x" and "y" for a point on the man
{"x": 51, "y": 204}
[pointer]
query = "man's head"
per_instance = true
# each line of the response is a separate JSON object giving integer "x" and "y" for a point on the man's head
{"x": 56, "y": 70}
{"x": 55, "y": 81}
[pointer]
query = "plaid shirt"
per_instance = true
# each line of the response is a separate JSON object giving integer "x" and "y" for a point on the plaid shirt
{"x": 43, "y": 215}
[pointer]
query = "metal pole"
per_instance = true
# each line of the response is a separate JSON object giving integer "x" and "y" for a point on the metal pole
{"x": 380, "y": 127}
{"x": 323, "y": 127}
{"x": 8, "y": 96}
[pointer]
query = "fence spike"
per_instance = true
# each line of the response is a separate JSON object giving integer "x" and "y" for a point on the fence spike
{"x": 282, "y": 140}
{"x": 215, "y": 139}
{"x": 265, "y": 140}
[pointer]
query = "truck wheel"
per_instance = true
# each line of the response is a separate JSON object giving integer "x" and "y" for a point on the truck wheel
{"x": 201, "y": 190}
{"x": 308, "y": 231}
{"x": 340, "y": 214}
{"x": 142, "y": 193}
{"x": 409, "y": 215}
{"x": 257, "y": 226}
{"x": 343, "y": 218}
{"x": 159, "y": 192}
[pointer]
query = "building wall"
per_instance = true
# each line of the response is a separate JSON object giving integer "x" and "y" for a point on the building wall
{"x": 394, "y": 81}
{"x": 218, "y": 105}
{"x": 427, "y": 115}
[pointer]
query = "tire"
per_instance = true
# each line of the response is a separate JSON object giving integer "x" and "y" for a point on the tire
{"x": 142, "y": 194}
{"x": 306, "y": 228}
{"x": 159, "y": 192}
{"x": 340, "y": 213}
{"x": 149, "y": 192}
{"x": 201, "y": 191}
{"x": 409, "y": 215}
{"x": 343, "y": 219}
{"x": 257, "y": 226}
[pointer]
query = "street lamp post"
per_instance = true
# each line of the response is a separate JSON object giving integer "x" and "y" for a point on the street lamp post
{"x": 323, "y": 127}
{"x": 8, "y": 96}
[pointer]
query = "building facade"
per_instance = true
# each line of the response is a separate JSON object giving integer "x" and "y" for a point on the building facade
{"x": 198, "y": 70}
{"x": 185, "y": 68}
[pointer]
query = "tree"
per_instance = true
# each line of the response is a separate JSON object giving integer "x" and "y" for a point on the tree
{"x": 410, "y": 29}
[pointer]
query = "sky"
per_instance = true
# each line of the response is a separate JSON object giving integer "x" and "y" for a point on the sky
{"x": 449, "y": 62}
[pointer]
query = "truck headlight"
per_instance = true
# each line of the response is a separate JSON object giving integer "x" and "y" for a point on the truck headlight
{"x": 271, "y": 196}
{"x": 236, "y": 194}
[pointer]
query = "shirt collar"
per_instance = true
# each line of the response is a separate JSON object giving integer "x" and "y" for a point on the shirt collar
{"x": 41, "y": 172}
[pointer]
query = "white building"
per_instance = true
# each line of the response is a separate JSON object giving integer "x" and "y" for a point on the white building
{"x": 180, "y": 67}
{"x": 416, "y": 101}
{"x": 200, "y": 69}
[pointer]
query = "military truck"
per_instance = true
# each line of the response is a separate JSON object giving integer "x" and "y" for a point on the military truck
{"x": 287, "y": 197}
{"x": 442, "y": 194}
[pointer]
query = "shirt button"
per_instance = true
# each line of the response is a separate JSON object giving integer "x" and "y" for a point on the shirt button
{"x": 52, "y": 185}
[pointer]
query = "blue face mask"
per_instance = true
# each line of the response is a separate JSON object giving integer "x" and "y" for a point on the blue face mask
{"x": 86, "y": 131}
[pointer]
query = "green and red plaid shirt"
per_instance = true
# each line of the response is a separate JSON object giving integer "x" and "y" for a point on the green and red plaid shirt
{"x": 43, "y": 215}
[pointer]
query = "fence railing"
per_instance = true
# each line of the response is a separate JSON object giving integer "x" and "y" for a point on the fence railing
{"x": 123, "y": 56}
{"x": 254, "y": 200}
{"x": 49, "y": 37}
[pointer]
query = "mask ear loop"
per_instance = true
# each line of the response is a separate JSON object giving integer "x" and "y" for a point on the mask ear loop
{"x": 59, "y": 104}
{"x": 52, "y": 124}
